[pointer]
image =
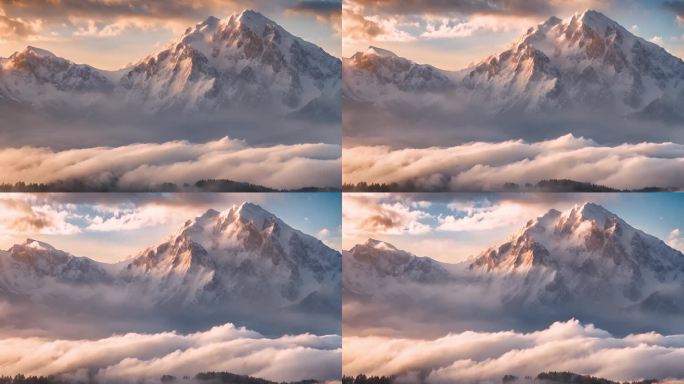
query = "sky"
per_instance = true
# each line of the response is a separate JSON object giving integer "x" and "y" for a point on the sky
{"x": 108, "y": 34}
{"x": 111, "y": 227}
{"x": 451, "y": 227}
{"x": 453, "y": 34}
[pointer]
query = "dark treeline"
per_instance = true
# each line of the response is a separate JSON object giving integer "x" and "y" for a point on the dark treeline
{"x": 203, "y": 378}
{"x": 562, "y": 185}
{"x": 78, "y": 185}
{"x": 548, "y": 377}
{"x": 363, "y": 379}
{"x": 573, "y": 378}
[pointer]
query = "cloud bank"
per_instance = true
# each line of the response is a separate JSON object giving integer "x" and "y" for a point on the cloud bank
{"x": 481, "y": 165}
{"x": 139, "y": 166}
{"x": 135, "y": 357}
{"x": 471, "y": 356}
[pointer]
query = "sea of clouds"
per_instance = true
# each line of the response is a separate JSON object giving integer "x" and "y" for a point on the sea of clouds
{"x": 134, "y": 357}
{"x": 490, "y": 165}
{"x": 487, "y": 356}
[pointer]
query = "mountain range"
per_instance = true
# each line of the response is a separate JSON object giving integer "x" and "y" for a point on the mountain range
{"x": 241, "y": 264}
{"x": 586, "y": 62}
{"x": 586, "y": 263}
{"x": 244, "y": 60}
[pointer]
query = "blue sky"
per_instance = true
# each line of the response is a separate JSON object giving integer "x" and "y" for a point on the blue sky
{"x": 111, "y": 227}
{"x": 454, "y": 226}
{"x": 111, "y": 34}
{"x": 479, "y": 31}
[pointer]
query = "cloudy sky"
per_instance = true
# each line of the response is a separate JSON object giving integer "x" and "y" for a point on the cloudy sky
{"x": 453, "y": 34}
{"x": 109, "y": 34}
{"x": 111, "y": 227}
{"x": 453, "y": 227}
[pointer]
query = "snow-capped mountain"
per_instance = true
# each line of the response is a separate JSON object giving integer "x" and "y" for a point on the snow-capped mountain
{"x": 562, "y": 262}
{"x": 37, "y": 76}
{"x": 587, "y": 253}
{"x": 244, "y": 254}
{"x": 27, "y": 266}
{"x": 378, "y": 74}
{"x": 245, "y": 60}
{"x": 586, "y": 61}
{"x": 375, "y": 263}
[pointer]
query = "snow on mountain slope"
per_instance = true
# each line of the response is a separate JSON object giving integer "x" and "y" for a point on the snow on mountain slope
{"x": 369, "y": 266}
{"x": 561, "y": 261}
{"x": 25, "y": 267}
{"x": 37, "y": 76}
{"x": 586, "y": 61}
{"x": 246, "y": 60}
{"x": 240, "y": 255}
{"x": 378, "y": 74}
{"x": 587, "y": 253}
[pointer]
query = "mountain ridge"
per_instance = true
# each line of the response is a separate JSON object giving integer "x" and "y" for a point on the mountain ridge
{"x": 243, "y": 60}
{"x": 586, "y": 61}
{"x": 583, "y": 257}
{"x": 242, "y": 253}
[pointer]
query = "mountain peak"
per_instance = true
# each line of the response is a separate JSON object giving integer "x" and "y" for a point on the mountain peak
{"x": 593, "y": 212}
{"x": 39, "y": 52}
{"x": 375, "y": 51}
{"x": 254, "y": 20}
{"x": 39, "y": 245}
{"x": 210, "y": 21}
{"x": 596, "y": 21}
{"x": 380, "y": 245}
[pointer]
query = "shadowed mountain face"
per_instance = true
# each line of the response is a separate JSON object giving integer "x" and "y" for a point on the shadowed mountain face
{"x": 587, "y": 72}
{"x": 214, "y": 76}
{"x": 585, "y": 263}
{"x": 242, "y": 265}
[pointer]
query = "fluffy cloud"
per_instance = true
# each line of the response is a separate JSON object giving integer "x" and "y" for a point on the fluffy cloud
{"x": 101, "y": 18}
{"x": 396, "y": 20}
{"x": 676, "y": 239}
{"x": 477, "y": 166}
{"x": 26, "y": 214}
{"x": 381, "y": 214}
{"x": 483, "y": 215}
{"x": 137, "y": 357}
{"x": 139, "y": 166}
{"x": 564, "y": 346}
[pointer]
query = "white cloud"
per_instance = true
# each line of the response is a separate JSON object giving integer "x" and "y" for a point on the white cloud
{"x": 656, "y": 40}
{"x": 137, "y": 357}
{"x": 676, "y": 239}
{"x": 143, "y": 165}
{"x": 474, "y": 356}
{"x": 20, "y": 213}
{"x": 323, "y": 233}
{"x": 483, "y": 215}
{"x": 368, "y": 214}
{"x": 476, "y": 166}
{"x": 447, "y": 27}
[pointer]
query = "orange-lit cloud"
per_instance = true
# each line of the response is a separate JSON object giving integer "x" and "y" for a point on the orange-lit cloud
{"x": 488, "y": 166}
{"x": 137, "y": 357}
{"x": 138, "y": 166}
{"x": 488, "y": 356}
